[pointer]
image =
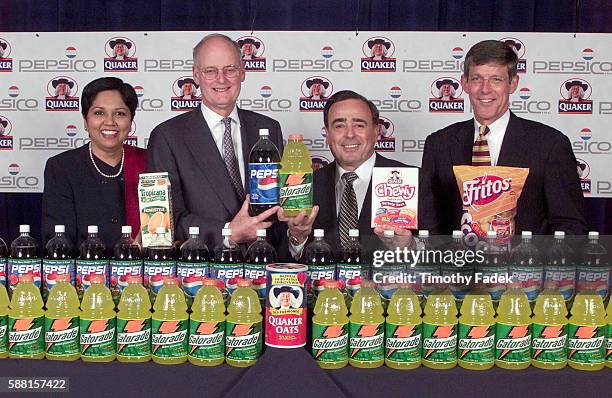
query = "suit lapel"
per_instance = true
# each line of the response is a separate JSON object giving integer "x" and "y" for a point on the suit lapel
{"x": 515, "y": 146}
{"x": 461, "y": 152}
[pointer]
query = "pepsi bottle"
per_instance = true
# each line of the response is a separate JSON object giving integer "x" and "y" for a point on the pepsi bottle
{"x": 594, "y": 269}
{"x": 24, "y": 259}
{"x": 228, "y": 264}
{"x": 3, "y": 258}
{"x": 92, "y": 260}
{"x": 351, "y": 266}
{"x": 159, "y": 263}
{"x": 559, "y": 268}
{"x": 58, "y": 260}
{"x": 259, "y": 254}
{"x": 458, "y": 266}
{"x": 494, "y": 267}
{"x": 319, "y": 257}
{"x": 126, "y": 262}
{"x": 264, "y": 164}
{"x": 526, "y": 267}
{"x": 192, "y": 266}
{"x": 425, "y": 266}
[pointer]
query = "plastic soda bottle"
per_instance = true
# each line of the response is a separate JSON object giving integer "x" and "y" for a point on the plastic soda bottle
{"x": 26, "y": 321}
{"x": 126, "y": 262}
{"x": 243, "y": 337}
{"x": 169, "y": 326}
{"x": 207, "y": 326}
{"x": 92, "y": 261}
{"x": 159, "y": 263}
{"x": 424, "y": 267}
{"x": 319, "y": 257}
{"x": 3, "y": 260}
{"x": 62, "y": 322}
{"x": 608, "y": 338}
{"x": 228, "y": 263}
{"x": 24, "y": 259}
{"x": 259, "y": 254}
{"x": 296, "y": 177}
{"x": 458, "y": 268}
{"x": 494, "y": 267}
{"x": 134, "y": 323}
{"x": 98, "y": 322}
{"x": 594, "y": 271}
{"x": 192, "y": 266}
{"x": 366, "y": 328}
{"x": 526, "y": 266}
{"x": 351, "y": 266}
{"x": 389, "y": 274}
{"x": 58, "y": 260}
{"x": 560, "y": 268}
{"x": 330, "y": 328}
{"x": 476, "y": 346}
{"x": 549, "y": 330}
{"x": 4, "y": 311}
{"x": 403, "y": 330}
{"x": 513, "y": 330}
{"x": 264, "y": 164}
{"x": 440, "y": 330}
{"x": 587, "y": 330}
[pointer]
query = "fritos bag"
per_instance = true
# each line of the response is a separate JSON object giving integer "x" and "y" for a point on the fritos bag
{"x": 490, "y": 195}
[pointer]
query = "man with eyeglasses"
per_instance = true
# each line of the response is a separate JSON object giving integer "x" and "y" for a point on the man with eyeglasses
{"x": 552, "y": 198}
{"x": 206, "y": 151}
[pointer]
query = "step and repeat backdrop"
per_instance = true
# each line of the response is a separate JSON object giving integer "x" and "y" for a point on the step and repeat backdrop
{"x": 413, "y": 78}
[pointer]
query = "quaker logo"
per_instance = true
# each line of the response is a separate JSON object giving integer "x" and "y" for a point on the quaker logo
{"x": 526, "y": 105}
{"x": 584, "y": 170}
{"x": 146, "y": 104}
{"x": 396, "y": 103}
{"x": 315, "y": 91}
{"x": 446, "y": 96}
{"x": 583, "y": 64}
{"x": 70, "y": 64}
{"x": 62, "y": 92}
{"x": 6, "y": 62}
{"x": 318, "y": 162}
{"x": 588, "y": 146}
{"x": 6, "y": 139}
{"x": 575, "y": 94}
{"x": 186, "y": 94}
{"x": 519, "y": 48}
{"x": 131, "y": 138}
{"x": 453, "y": 64}
{"x": 325, "y": 64}
{"x": 378, "y": 53}
{"x": 15, "y": 180}
{"x": 120, "y": 53}
{"x": 267, "y": 102}
{"x": 386, "y": 139}
{"x": 588, "y": 54}
{"x": 14, "y": 103}
{"x": 395, "y": 178}
{"x": 327, "y": 52}
{"x": 252, "y": 50}
{"x": 457, "y": 52}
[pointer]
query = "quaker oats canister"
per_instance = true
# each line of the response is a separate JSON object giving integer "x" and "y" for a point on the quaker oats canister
{"x": 286, "y": 305}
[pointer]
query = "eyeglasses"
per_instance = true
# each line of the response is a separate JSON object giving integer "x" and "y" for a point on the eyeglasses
{"x": 229, "y": 71}
{"x": 494, "y": 81}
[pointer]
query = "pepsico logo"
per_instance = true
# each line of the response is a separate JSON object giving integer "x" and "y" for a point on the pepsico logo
{"x": 588, "y": 54}
{"x": 585, "y": 134}
{"x": 71, "y": 52}
{"x": 327, "y": 52}
{"x": 516, "y": 45}
{"x": 71, "y": 130}
{"x": 139, "y": 91}
{"x": 13, "y": 91}
{"x": 457, "y": 53}
{"x": 265, "y": 91}
{"x": 525, "y": 93}
{"x": 395, "y": 92}
{"x": 13, "y": 169}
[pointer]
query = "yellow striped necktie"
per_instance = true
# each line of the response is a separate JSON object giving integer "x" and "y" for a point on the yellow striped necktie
{"x": 480, "y": 149}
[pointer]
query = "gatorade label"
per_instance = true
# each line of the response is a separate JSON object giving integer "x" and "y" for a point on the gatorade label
{"x": 133, "y": 337}
{"x": 549, "y": 343}
{"x": 119, "y": 273}
{"x": 51, "y": 269}
{"x": 229, "y": 274}
{"x": 459, "y": 289}
{"x": 586, "y": 344}
{"x": 512, "y": 343}
{"x": 330, "y": 343}
{"x": 206, "y": 340}
{"x": 439, "y": 343}
{"x": 169, "y": 338}
{"x": 191, "y": 276}
{"x": 529, "y": 278}
{"x": 26, "y": 337}
{"x": 315, "y": 275}
{"x": 562, "y": 278}
{"x": 494, "y": 289}
{"x": 17, "y": 267}
{"x": 84, "y": 270}
{"x": 243, "y": 341}
{"x": 154, "y": 274}
{"x": 350, "y": 276}
{"x": 3, "y": 333}
{"x": 403, "y": 342}
{"x": 62, "y": 336}
{"x": 366, "y": 342}
{"x": 296, "y": 191}
{"x": 476, "y": 343}
{"x": 264, "y": 184}
{"x": 257, "y": 273}
{"x": 98, "y": 337}
{"x": 594, "y": 278}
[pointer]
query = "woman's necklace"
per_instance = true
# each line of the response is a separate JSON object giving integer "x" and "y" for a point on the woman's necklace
{"x": 98, "y": 170}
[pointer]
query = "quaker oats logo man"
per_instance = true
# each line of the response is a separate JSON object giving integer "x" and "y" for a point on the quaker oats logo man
{"x": 188, "y": 88}
{"x": 120, "y": 48}
{"x": 3, "y": 47}
{"x": 447, "y": 89}
{"x": 5, "y": 129}
{"x": 62, "y": 88}
{"x": 286, "y": 297}
{"x": 317, "y": 88}
{"x": 576, "y": 90}
{"x": 249, "y": 47}
{"x": 379, "y": 48}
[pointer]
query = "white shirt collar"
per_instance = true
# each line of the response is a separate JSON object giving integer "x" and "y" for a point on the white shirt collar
{"x": 213, "y": 118}
{"x": 364, "y": 171}
{"x": 360, "y": 185}
{"x": 495, "y": 138}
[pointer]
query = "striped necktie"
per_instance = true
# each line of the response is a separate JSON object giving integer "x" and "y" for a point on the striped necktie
{"x": 348, "y": 215}
{"x": 480, "y": 149}
{"x": 229, "y": 157}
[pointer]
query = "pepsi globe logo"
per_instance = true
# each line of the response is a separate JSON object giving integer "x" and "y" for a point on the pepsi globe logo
{"x": 120, "y": 48}
{"x": 71, "y": 52}
{"x": 13, "y": 91}
{"x": 457, "y": 52}
{"x": 327, "y": 52}
{"x": 192, "y": 284}
{"x": 265, "y": 91}
{"x": 446, "y": 87}
{"x": 516, "y": 45}
{"x": 588, "y": 54}
{"x": 5, "y": 48}
{"x": 378, "y": 47}
{"x": 395, "y": 92}
{"x": 575, "y": 88}
{"x": 71, "y": 130}
{"x": 585, "y": 134}
{"x": 524, "y": 93}
{"x": 13, "y": 169}
{"x": 62, "y": 86}
{"x": 139, "y": 91}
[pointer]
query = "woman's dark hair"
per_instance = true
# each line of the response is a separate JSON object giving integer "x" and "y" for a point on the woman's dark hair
{"x": 93, "y": 88}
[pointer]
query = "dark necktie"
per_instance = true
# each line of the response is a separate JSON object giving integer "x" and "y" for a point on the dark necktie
{"x": 480, "y": 149}
{"x": 348, "y": 215}
{"x": 229, "y": 157}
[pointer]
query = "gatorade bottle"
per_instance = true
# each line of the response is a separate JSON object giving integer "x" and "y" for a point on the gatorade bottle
{"x": 58, "y": 260}
{"x": 92, "y": 261}
{"x": 390, "y": 274}
{"x": 513, "y": 330}
{"x": 476, "y": 346}
{"x": 62, "y": 322}
{"x": 26, "y": 321}
{"x": 23, "y": 259}
{"x": 549, "y": 330}
{"x": 366, "y": 328}
{"x": 608, "y": 339}
{"x": 227, "y": 265}
{"x": 134, "y": 323}
{"x": 587, "y": 329}
{"x": 3, "y": 260}
{"x": 264, "y": 163}
{"x": 243, "y": 337}
{"x": 192, "y": 266}
{"x": 440, "y": 330}
{"x": 594, "y": 271}
{"x": 458, "y": 267}
{"x": 4, "y": 310}
{"x": 97, "y": 322}
{"x": 319, "y": 257}
{"x": 207, "y": 326}
{"x": 126, "y": 262}
{"x": 494, "y": 267}
{"x": 296, "y": 177}
{"x": 169, "y": 339}
{"x": 526, "y": 266}
{"x": 424, "y": 267}
{"x": 259, "y": 254}
{"x": 159, "y": 263}
{"x": 403, "y": 342}
{"x": 330, "y": 328}
{"x": 351, "y": 266}
{"x": 560, "y": 269}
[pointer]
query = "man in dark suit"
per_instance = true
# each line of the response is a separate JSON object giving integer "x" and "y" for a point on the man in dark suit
{"x": 551, "y": 199}
{"x": 206, "y": 151}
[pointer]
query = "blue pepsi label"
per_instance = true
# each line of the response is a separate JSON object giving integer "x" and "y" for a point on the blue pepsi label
{"x": 530, "y": 278}
{"x": 119, "y": 273}
{"x": 562, "y": 278}
{"x": 350, "y": 276}
{"x": 154, "y": 274}
{"x": 192, "y": 277}
{"x": 257, "y": 273}
{"x": 51, "y": 268}
{"x": 22, "y": 266}
{"x": 85, "y": 269}
{"x": 594, "y": 278}
{"x": 228, "y": 273}
{"x": 264, "y": 183}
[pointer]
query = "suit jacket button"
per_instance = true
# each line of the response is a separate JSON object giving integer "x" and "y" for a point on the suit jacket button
{"x": 114, "y": 220}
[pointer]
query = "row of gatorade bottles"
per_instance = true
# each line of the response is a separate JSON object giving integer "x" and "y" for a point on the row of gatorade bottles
{"x": 478, "y": 338}
{"x": 94, "y": 332}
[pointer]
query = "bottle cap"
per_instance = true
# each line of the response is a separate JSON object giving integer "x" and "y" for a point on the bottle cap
{"x": 261, "y": 233}
{"x": 593, "y": 234}
{"x": 226, "y": 232}
{"x": 170, "y": 280}
{"x": 264, "y": 132}
{"x": 526, "y": 234}
{"x": 559, "y": 234}
{"x": 24, "y": 228}
{"x": 367, "y": 283}
{"x": 319, "y": 233}
{"x": 296, "y": 137}
{"x": 194, "y": 230}
{"x": 60, "y": 229}
{"x": 423, "y": 233}
{"x": 134, "y": 279}
{"x": 491, "y": 234}
{"x": 92, "y": 229}
{"x": 388, "y": 233}
{"x": 126, "y": 229}
{"x": 63, "y": 278}
{"x": 26, "y": 278}
{"x": 160, "y": 230}
{"x": 96, "y": 278}
{"x": 243, "y": 282}
{"x": 331, "y": 284}
{"x": 211, "y": 282}
{"x": 354, "y": 233}
{"x": 457, "y": 234}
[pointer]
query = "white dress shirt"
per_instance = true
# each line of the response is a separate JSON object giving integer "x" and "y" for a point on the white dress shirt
{"x": 495, "y": 138}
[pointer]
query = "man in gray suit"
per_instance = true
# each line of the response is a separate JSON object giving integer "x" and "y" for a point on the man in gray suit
{"x": 206, "y": 151}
